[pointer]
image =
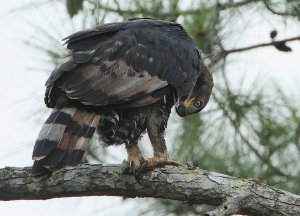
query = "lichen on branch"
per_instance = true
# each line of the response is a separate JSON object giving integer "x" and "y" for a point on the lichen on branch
{"x": 193, "y": 185}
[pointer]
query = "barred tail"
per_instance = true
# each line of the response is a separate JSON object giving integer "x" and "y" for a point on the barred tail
{"x": 63, "y": 140}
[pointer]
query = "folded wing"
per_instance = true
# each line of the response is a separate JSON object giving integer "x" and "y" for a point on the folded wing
{"x": 123, "y": 62}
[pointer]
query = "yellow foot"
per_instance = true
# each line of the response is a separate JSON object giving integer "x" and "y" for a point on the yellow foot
{"x": 135, "y": 166}
{"x": 159, "y": 162}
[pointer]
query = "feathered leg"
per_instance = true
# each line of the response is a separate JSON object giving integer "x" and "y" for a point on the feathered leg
{"x": 156, "y": 124}
{"x": 63, "y": 140}
{"x": 156, "y": 132}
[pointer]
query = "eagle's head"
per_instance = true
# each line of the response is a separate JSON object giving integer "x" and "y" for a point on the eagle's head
{"x": 198, "y": 97}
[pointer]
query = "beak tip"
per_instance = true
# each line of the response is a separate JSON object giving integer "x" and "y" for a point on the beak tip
{"x": 181, "y": 111}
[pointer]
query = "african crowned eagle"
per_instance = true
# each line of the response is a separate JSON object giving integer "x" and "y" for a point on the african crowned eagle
{"x": 120, "y": 79}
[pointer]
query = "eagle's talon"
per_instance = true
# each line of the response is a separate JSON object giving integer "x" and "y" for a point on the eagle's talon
{"x": 132, "y": 168}
{"x": 135, "y": 168}
{"x": 143, "y": 166}
{"x": 125, "y": 168}
{"x": 132, "y": 165}
{"x": 137, "y": 172}
{"x": 140, "y": 171}
{"x": 129, "y": 167}
{"x": 157, "y": 162}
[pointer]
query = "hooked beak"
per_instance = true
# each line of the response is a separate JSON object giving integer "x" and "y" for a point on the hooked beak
{"x": 187, "y": 102}
{"x": 182, "y": 108}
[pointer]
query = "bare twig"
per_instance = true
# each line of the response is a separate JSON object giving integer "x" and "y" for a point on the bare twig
{"x": 297, "y": 136}
{"x": 273, "y": 43}
{"x": 129, "y": 12}
{"x": 268, "y": 6}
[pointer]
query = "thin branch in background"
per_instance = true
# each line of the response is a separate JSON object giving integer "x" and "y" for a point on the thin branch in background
{"x": 268, "y": 6}
{"x": 246, "y": 141}
{"x": 297, "y": 137}
{"x": 293, "y": 111}
{"x": 128, "y": 12}
{"x": 273, "y": 43}
{"x": 117, "y": 4}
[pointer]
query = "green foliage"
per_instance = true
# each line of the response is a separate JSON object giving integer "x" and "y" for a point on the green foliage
{"x": 74, "y": 7}
{"x": 201, "y": 27}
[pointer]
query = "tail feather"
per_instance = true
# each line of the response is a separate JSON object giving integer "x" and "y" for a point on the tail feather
{"x": 52, "y": 132}
{"x": 78, "y": 150}
{"x": 63, "y": 139}
{"x": 39, "y": 172}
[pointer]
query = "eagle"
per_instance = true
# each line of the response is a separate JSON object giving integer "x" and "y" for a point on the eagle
{"x": 120, "y": 80}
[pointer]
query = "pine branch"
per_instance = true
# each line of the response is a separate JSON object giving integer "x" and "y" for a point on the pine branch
{"x": 269, "y": 7}
{"x": 192, "y": 185}
{"x": 148, "y": 12}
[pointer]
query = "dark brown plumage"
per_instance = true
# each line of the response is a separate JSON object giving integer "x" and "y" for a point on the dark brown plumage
{"x": 123, "y": 79}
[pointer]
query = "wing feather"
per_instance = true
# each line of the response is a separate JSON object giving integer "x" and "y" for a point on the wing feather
{"x": 118, "y": 83}
{"x": 124, "y": 61}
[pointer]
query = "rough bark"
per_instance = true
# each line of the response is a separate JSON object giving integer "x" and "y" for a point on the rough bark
{"x": 192, "y": 185}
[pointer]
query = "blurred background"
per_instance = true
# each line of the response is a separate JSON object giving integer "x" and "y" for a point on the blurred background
{"x": 250, "y": 129}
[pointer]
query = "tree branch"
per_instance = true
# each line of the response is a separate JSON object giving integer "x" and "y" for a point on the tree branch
{"x": 273, "y": 43}
{"x": 268, "y": 6}
{"x": 192, "y": 185}
{"x": 176, "y": 13}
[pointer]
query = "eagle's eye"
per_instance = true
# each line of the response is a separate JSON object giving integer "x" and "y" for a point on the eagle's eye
{"x": 199, "y": 103}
